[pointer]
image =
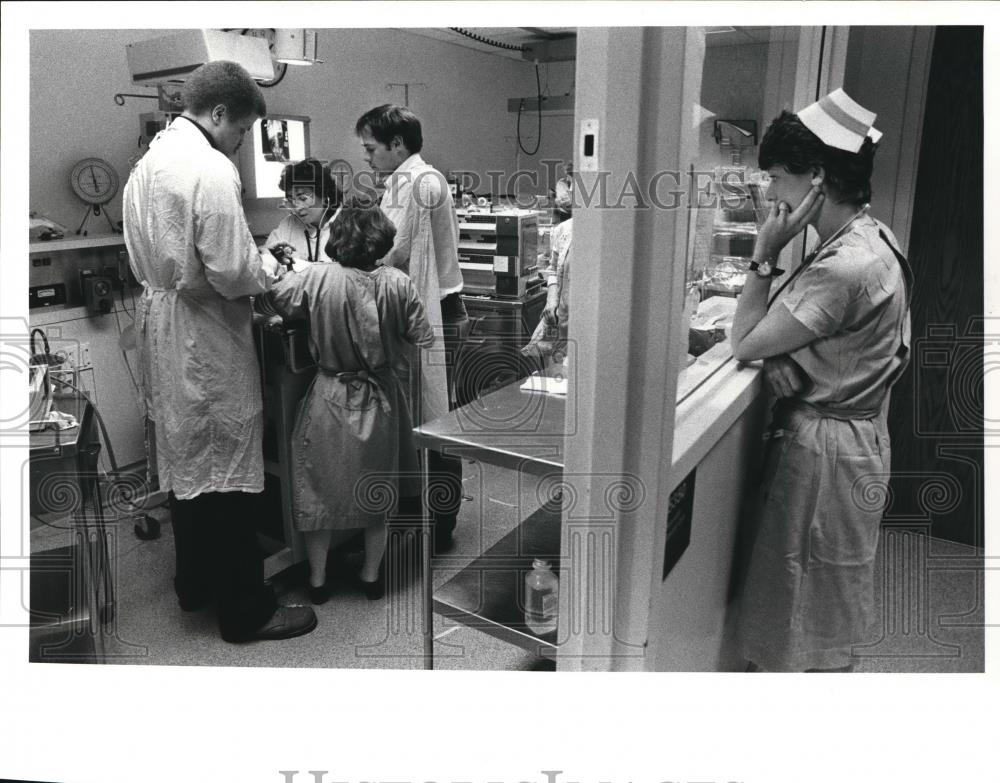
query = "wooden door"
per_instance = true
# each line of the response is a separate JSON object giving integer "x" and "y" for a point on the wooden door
{"x": 936, "y": 416}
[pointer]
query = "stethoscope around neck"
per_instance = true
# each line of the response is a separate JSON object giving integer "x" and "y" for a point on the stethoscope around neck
{"x": 323, "y": 221}
{"x": 817, "y": 250}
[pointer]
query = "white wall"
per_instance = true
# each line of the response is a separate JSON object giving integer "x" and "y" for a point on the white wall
{"x": 460, "y": 95}
{"x": 692, "y": 618}
{"x": 74, "y": 74}
{"x": 732, "y": 87}
{"x": 73, "y": 77}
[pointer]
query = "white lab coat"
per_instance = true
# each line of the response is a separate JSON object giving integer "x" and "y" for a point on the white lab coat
{"x": 426, "y": 248}
{"x": 292, "y": 231}
{"x": 190, "y": 247}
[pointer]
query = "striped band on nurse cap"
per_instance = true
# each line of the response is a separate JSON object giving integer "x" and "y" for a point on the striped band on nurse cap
{"x": 840, "y": 122}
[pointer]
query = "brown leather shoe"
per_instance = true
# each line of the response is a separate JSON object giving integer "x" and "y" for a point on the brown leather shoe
{"x": 286, "y": 623}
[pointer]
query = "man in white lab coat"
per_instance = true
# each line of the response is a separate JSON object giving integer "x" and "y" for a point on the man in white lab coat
{"x": 418, "y": 201}
{"x": 190, "y": 247}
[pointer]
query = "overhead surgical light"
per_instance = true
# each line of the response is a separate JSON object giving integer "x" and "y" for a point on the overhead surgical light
{"x": 295, "y": 46}
{"x": 170, "y": 59}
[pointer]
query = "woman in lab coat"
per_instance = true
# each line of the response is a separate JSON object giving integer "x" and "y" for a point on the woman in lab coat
{"x": 353, "y": 451}
{"x": 834, "y": 338}
{"x": 312, "y": 198}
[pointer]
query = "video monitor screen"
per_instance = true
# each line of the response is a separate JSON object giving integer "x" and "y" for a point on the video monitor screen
{"x": 276, "y": 141}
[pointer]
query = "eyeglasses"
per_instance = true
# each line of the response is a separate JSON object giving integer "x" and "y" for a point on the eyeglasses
{"x": 299, "y": 200}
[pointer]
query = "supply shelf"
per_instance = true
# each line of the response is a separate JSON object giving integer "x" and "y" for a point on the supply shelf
{"x": 488, "y": 594}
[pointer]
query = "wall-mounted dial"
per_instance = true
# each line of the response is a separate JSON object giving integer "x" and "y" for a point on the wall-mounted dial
{"x": 94, "y": 181}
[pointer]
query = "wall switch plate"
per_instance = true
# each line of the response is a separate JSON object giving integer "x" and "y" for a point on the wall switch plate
{"x": 590, "y": 143}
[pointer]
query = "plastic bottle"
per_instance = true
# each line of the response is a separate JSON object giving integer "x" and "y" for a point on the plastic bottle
{"x": 541, "y": 598}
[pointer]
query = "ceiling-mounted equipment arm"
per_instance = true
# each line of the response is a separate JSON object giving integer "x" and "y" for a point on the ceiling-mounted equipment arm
{"x": 169, "y": 101}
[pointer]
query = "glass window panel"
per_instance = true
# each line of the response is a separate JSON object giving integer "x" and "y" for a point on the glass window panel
{"x": 748, "y": 77}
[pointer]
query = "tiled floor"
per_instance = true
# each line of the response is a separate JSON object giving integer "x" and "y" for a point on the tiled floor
{"x": 353, "y": 632}
{"x": 930, "y": 602}
{"x": 929, "y": 597}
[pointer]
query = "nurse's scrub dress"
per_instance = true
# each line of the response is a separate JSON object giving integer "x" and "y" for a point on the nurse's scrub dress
{"x": 810, "y": 585}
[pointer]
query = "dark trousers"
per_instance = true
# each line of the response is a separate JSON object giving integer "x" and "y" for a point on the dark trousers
{"x": 445, "y": 472}
{"x": 217, "y": 555}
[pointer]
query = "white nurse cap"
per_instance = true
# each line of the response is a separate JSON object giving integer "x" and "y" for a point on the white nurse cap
{"x": 840, "y": 122}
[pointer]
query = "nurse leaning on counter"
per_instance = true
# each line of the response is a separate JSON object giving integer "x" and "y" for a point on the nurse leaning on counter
{"x": 834, "y": 338}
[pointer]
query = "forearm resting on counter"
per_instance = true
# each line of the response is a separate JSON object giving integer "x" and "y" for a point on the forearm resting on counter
{"x": 759, "y": 333}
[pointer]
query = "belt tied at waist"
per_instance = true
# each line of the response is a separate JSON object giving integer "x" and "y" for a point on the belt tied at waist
{"x": 372, "y": 378}
{"x": 196, "y": 293}
{"x": 812, "y": 410}
{"x": 820, "y": 411}
{"x": 346, "y": 376}
{"x": 148, "y": 291}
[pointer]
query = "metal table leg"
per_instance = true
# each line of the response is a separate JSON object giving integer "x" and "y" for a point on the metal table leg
{"x": 428, "y": 584}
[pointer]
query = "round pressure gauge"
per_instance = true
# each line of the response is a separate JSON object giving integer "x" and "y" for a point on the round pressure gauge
{"x": 94, "y": 180}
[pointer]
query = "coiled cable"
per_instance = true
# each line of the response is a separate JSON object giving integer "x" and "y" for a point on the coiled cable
{"x": 538, "y": 83}
{"x": 520, "y": 108}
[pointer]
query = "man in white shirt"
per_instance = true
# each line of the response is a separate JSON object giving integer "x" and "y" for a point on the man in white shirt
{"x": 190, "y": 247}
{"x": 418, "y": 201}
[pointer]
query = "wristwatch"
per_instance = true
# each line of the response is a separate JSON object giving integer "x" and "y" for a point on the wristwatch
{"x": 765, "y": 269}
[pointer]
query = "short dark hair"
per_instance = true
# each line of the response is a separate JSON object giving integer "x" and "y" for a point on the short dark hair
{"x": 791, "y": 144}
{"x": 361, "y": 234}
{"x": 310, "y": 173}
{"x": 225, "y": 82}
{"x": 388, "y": 121}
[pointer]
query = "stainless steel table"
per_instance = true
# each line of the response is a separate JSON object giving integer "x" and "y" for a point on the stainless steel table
{"x": 519, "y": 430}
